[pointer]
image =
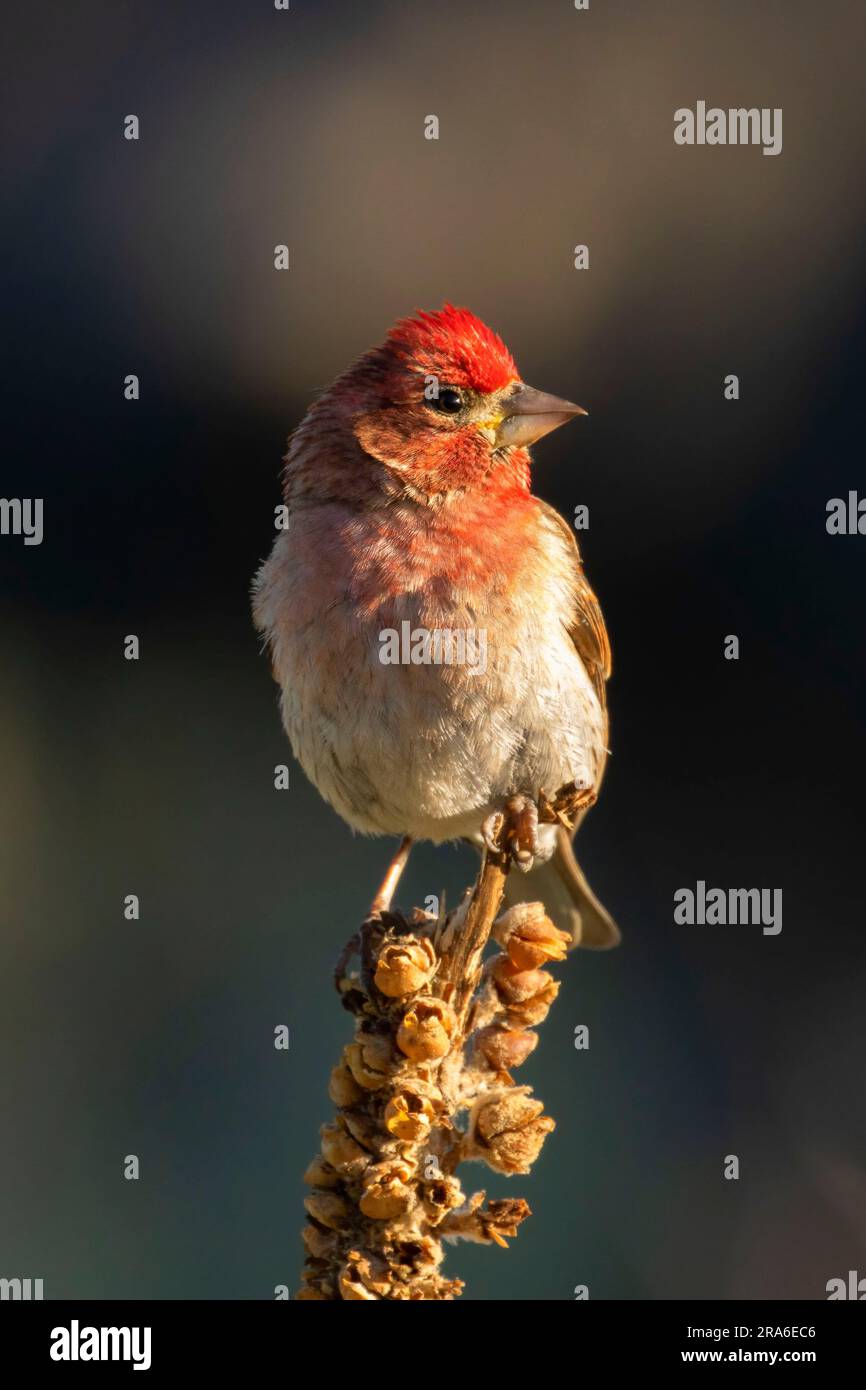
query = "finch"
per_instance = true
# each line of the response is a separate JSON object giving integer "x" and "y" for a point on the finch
{"x": 437, "y": 646}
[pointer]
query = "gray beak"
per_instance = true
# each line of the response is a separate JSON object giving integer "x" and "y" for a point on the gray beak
{"x": 531, "y": 414}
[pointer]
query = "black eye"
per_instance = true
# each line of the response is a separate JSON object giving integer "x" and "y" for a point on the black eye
{"x": 449, "y": 400}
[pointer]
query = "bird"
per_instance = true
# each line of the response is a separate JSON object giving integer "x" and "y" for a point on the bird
{"x": 438, "y": 649}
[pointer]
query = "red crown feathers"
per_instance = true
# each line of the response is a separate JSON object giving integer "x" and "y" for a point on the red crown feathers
{"x": 455, "y": 346}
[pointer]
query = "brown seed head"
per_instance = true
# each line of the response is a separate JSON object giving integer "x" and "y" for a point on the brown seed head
{"x": 352, "y": 1289}
{"x": 529, "y": 936}
{"x": 405, "y": 966}
{"x": 386, "y": 1191}
{"x": 511, "y": 1131}
{"x": 370, "y": 1059}
{"x": 425, "y": 1032}
{"x": 318, "y": 1243}
{"x": 328, "y": 1209}
{"x": 341, "y": 1151}
{"x": 442, "y": 1195}
{"x": 409, "y": 1116}
{"x": 321, "y": 1174}
{"x": 534, "y": 1010}
{"x": 343, "y": 1089}
{"x": 514, "y": 986}
{"x": 505, "y": 1048}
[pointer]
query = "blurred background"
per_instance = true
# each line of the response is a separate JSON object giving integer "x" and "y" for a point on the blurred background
{"x": 707, "y": 518}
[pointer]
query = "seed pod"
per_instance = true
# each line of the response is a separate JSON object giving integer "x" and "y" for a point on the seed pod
{"x": 511, "y": 1130}
{"x": 408, "y": 1116}
{"x": 375, "y": 1277}
{"x": 343, "y": 1089}
{"x": 514, "y": 986}
{"x": 534, "y": 1010}
{"x": 505, "y": 1048}
{"x": 328, "y": 1209}
{"x": 442, "y": 1195}
{"x": 341, "y": 1151}
{"x": 405, "y": 966}
{"x": 529, "y": 936}
{"x": 386, "y": 1193}
{"x": 425, "y": 1032}
{"x": 364, "y": 1129}
{"x": 321, "y": 1174}
{"x": 318, "y": 1243}
{"x": 423, "y": 1253}
{"x": 370, "y": 1059}
{"x": 352, "y": 1290}
{"x": 516, "y": 917}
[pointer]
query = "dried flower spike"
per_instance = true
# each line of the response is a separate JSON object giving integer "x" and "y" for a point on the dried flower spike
{"x": 424, "y": 1085}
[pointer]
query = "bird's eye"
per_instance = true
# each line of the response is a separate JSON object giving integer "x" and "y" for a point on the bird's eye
{"x": 449, "y": 401}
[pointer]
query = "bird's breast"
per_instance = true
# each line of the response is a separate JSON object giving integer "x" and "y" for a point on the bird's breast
{"x": 426, "y": 670}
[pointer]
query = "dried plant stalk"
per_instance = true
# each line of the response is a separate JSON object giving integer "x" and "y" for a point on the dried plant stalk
{"x": 426, "y": 1084}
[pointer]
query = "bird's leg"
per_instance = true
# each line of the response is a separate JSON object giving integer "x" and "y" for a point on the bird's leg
{"x": 513, "y": 831}
{"x": 359, "y": 944}
{"x": 382, "y": 900}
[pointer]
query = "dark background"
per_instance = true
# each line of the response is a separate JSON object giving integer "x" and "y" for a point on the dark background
{"x": 707, "y": 517}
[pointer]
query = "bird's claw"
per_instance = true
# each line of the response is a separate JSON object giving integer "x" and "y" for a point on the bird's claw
{"x": 565, "y": 806}
{"x": 491, "y": 829}
{"x": 521, "y": 831}
{"x": 513, "y": 832}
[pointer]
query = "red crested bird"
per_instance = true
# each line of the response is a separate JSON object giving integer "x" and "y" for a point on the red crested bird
{"x": 438, "y": 648}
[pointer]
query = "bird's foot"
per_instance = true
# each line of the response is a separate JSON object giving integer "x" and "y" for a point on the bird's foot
{"x": 513, "y": 832}
{"x": 566, "y": 805}
{"x": 491, "y": 828}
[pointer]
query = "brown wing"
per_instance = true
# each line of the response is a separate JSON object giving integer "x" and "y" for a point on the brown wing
{"x": 565, "y": 892}
{"x": 588, "y": 632}
{"x": 580, "y": 911}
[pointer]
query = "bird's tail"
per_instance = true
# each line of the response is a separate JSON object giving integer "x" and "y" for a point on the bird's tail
{"x": 560, "y": 884}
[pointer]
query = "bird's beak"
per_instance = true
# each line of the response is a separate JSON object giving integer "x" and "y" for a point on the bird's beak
{"x": 528, "y": 414}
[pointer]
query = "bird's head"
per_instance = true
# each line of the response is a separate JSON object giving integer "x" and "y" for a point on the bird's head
{"x": 442, "y": 406}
